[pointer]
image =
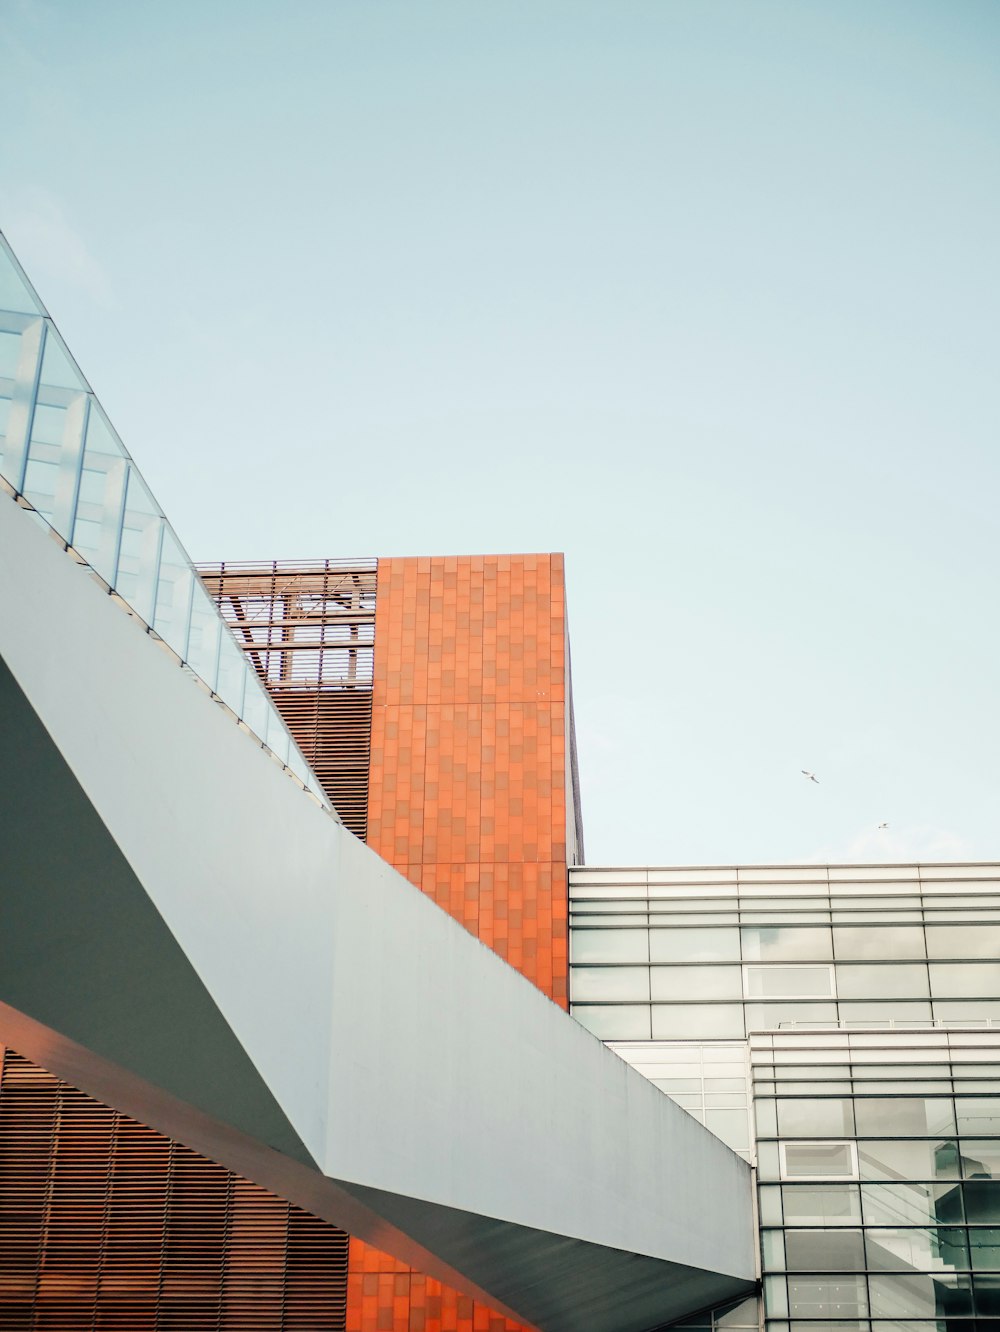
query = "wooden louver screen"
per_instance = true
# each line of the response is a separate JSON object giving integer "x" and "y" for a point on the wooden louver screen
{"x": 309, "y": 630}
{"x": 106, "y": 1224}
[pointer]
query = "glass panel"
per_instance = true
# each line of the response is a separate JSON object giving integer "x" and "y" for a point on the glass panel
{"x": 609, "y": 983}
{"x": 743, "y": 1314}
{"x": 693, "y": 1021}
{"x": 765, "y": 1017}
{"x": 775, "y": 1297}
{"x": 204, "y": 637}
{"x": 818, "y": 1160}
{"x": 987, "y": 1297}
{"x": 897, "y": 1011}
{"x": 789, "y": 982}
{"x": 905, "y": 1160}
{"x": 917, "y": 1250}
{"x": 963, "y": 941}
{"x": 827, "y": 1118}
{"x": 609, "y": 946}
{"x": 821, "y": 1204}
{"x": 101, "y": 497}
{"x": 827, "y": 1296}
{"x": 173, "y": 594}
{"x": 958, "y": 979}
{"x": 135, "y": 578}
{"x": 873, "y": 981}
{"x": 769, "y": 1204}
{"x": 978, "y": 1115}
{"x": 706, "y": 982}
{"x": 864, "y": 941}
{"x": 973, "y": 1011}
{"x": 824, "y": 1250}
{"x": 615, "y": 1022}
{"x": 910, "y": 1204}
{"x": 905, "y": 1116}
{"x": 981, "y": 1160}
{"x": 14, "y": 292}
{"x": 904, "y": 1295}
{"x": 775, "y": 943}
{"x": 982, "y": 1201}
{"x": 984, "y": 1246}
{"x": 773, "y": 1250}
{"x": 697, "y": 945}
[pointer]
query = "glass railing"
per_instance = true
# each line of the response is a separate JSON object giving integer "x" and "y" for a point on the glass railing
{"x": 59, "y": 451}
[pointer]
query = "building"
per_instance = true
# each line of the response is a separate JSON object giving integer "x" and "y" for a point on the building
{"x": 234, "y": 1033}
{"x": 840, "y": 1026}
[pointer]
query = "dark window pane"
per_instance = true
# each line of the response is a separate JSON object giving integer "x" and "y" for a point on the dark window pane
{"x": 982, "y": 1201}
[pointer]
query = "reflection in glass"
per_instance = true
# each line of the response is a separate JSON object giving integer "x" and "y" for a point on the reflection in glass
{"x": 776, "y": 943}
{"x": 695, "y": 945}
{"x": 829, "y": 1117}
{"x": 904, "y": 1295}
{"x": 821, "y": 1204}
{"x": 978, "y": 1115}
{"x": 905, "y": 1116}
{"x": 984, "y": 1246}
{"x": 910, "y": 1204}
{"x": 982, "y": 1201}
{"x": 872, "y": 980}
{"x": 708, "y": 982}
{"x": 827, "y": 1296}
{"x": 697, "y": 1021}
{"x": 615, "y": 1022}
{"x": 956, "y": 980}
{"x": 857, "y": 942}
{"x": 824, "y": 1251}
{"x": 609, "y": 983}
{"x": 798, "y": 982}
{"x": 917, "y": 1250}
{"x": 609, "y": 946}
{"x": 908, "y": 1159}
{"x": 962, "y": 941}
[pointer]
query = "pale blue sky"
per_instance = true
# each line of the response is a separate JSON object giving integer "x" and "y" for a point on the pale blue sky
{"x": 702, "y": 292}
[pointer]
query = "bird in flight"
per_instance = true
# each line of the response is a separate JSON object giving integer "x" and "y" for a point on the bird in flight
{"x": 811, "y": 775}
{"x": 883, "y": 825}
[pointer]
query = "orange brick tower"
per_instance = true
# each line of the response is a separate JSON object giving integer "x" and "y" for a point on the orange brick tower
{"x": 473, "y": 796}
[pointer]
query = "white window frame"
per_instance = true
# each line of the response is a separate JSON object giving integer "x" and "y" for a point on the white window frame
{"x": 787, "y": 966}
{"x": 817, "y": 1142}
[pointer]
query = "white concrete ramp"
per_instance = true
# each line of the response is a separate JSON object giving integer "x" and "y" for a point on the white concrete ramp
{"x": 185, "y": 930}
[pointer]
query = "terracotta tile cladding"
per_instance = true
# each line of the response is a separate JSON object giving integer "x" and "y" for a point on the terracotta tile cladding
{"x": 467, "y": 798}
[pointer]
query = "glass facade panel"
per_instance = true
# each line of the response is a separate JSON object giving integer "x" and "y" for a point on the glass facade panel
{"x": 864, "y": 980}
{"x": 982, "y": 1201}
{"x": 823, "y": 1296}
{"x": 765, "y": 1017}
{"x": 917, "y": 1250}
{"x": 905, "y": 1116}
{"x": 978, "y": 1116}
{"x": 824, "y": 1251}
{"x": 857, "y": 942}
{"x": 697, "y": 1021}
{"x": 614, "y": 1022}
{"x": 799, "y": 982}
{"x": 910, "y": 1204}
{"x": 980, "y": 1159}
{"x": 695, "y": 945}
{"x": 609, "y": 946}
{"x": 911, "y": 1159}
{"x": 965, "y": 979}
{"x": 829, "y": 1117}
{"x": 776, "y": 943}
{"x": 625, "y": 984}
{"x": 984, "y": 1246}
{"x": 821, "y": 1204}
{"x": 906, "y": 1295}
{"x": 962, "y": 941}
{"x": 705, "y": 982}
{"x": 819, "y": 1160}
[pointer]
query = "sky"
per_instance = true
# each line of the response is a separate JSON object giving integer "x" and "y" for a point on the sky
{"x": 703, "y": 293}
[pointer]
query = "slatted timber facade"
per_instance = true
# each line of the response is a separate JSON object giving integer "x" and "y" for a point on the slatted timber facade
{"x": 106, "y": 1224}
{"x": 308, "y": 630}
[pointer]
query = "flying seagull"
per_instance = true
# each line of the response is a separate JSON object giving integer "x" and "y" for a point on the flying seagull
{"x": 811, "y": 775}
{"x": 883, "y": 825}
